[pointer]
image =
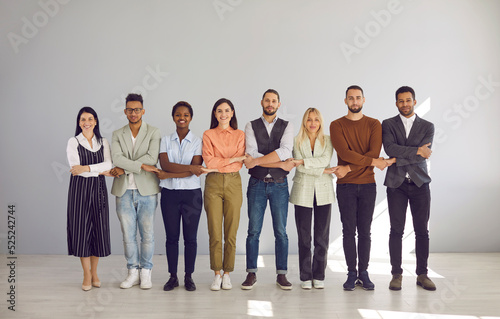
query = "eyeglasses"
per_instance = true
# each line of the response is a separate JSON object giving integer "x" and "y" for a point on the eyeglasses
{"x": 136, "y": 111}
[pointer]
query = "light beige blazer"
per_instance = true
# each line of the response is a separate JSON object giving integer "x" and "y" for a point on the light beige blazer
{"x": 309, "y": 179}
{"x": 147, "y": 147}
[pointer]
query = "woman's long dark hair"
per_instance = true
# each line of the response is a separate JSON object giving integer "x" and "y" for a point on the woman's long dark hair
{"x": 214, "y": 123}
{"x": 97, "y": 133}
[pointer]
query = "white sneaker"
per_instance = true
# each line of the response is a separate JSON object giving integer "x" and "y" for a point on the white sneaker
{"x": 132, "y": 279}
{"x": 306, "y": 284}
{"x": 226, "y": 282}
{"x": 146, "y": 278}
{"x": 319, "y": 284}
{"x": 216, "y": 283}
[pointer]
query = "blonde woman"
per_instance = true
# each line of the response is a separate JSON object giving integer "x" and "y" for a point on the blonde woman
{"x": 312, "y": 190}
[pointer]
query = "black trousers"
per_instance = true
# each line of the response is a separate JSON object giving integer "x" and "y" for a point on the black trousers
{"x": 177, "y": 205}
{"x": 303, "y": 219}
{"x": 356, "y": 205}
{"x": 420, "y": 203}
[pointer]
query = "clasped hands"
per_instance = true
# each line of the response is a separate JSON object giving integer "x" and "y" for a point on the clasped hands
{"x": 381, "y": 163}
{"x": 78, "y": 169}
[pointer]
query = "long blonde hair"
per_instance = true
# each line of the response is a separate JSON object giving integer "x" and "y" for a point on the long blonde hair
{"x": 303, "y": 133}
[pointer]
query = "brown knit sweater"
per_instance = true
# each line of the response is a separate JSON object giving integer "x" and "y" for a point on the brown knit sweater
{"x": 356, "y": 144}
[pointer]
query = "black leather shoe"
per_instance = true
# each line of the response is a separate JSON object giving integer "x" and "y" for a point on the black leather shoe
{"x": 189, "y": 284}
{"x": 171, "y": 284}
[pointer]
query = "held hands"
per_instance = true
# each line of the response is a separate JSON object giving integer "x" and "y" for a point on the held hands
{"x": 298, "y": 162}
{"x": 331, "y": 170}
{"x": 380, "y": 163}
{"x": 208, "y": 170}
{"x": 239, "y": 159}
{"x": 249, "y": 161}
{"x": 107, "y": 173}
{"x": 78, "y": 169}
{"x": 196, "y": 170}
{"x": 116, "y": 172}
{"x": 425, "y": 151}
{"x": 390, "y": 161}
{"x": 161, "y": 174}
{"x": 341, "y": 170}
{"x": 150, "y": 168}
{"x": 287, "y": 165}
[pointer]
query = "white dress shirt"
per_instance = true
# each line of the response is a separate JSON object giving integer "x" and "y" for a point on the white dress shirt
{"x": 407, "y": 123}
{"x": 74, "y": 158}
{"x": 286, "y": 144}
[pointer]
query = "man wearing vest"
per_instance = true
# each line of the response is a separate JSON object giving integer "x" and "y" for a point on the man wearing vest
{"x": 269, "y": 144}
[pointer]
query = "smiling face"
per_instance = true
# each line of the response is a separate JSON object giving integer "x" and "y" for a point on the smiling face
{"x": 182, "y": 117}
{"x": 87, "y": 123}
{"x": 354, "y": 100}
{"x": 312, "y": 123}
{"x": 223, "y": 113}
{"x": 406, "y": 104}
{"x": 132, "y": 115}
{"x": 270, "y": 103}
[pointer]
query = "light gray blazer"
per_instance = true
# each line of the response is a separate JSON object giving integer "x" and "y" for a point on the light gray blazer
{"x": 147, "y": 147}
{"x": 309, "y": 178}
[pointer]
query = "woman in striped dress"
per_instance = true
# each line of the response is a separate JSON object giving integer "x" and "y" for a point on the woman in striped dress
{"x": 89, "y": 157}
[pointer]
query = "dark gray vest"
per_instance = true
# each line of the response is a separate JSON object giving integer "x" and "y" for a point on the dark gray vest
{"x": 266, "y": 145}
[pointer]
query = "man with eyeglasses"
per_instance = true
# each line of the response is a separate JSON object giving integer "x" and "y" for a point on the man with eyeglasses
{"x": 135, "y": 149}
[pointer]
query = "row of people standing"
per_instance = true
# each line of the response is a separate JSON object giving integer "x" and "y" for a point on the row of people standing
{"x": 269, "y": 144}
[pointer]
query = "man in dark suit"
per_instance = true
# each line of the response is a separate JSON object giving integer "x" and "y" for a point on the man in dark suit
{"x": 407, "y": 139}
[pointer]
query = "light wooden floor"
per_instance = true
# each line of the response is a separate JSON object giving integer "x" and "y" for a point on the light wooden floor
{"x": 49, "y": 287}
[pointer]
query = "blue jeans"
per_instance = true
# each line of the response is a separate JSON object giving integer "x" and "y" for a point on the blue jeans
{"x": 356, "y": 205}
{"x": 258, "y": 192}
{"x": 137, "y": 211}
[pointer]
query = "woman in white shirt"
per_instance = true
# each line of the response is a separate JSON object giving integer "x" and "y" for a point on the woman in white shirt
{"x": 89, "y": 157}
{"x": 180, "y": 160}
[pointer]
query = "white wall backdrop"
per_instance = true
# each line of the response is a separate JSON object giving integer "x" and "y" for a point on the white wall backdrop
{"x": 57, "y": 56}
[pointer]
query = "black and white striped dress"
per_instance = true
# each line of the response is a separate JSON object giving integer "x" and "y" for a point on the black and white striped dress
{"x": 88, "y": 211}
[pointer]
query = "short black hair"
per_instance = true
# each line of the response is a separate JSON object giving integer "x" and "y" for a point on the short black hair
{"x": 134, "y": 97}
{"x": 182, "y": 103}
{"x": 271, "y": 91}
{"x": 354, "y": 87}
{"x": 405, "y": 89}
